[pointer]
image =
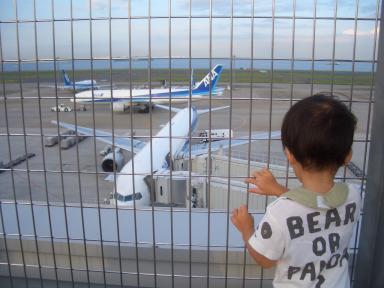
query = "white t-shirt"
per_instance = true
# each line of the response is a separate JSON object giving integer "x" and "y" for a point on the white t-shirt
{"x": 310, "y": 244}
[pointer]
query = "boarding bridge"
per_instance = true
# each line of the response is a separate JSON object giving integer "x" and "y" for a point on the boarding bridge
{"x": 173, "y": 188}
{"x": 179, "y": 187}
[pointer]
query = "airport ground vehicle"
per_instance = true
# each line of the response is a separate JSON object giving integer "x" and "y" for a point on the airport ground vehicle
{"x": 61, "y": 108}
{"x": 216, "y": 134}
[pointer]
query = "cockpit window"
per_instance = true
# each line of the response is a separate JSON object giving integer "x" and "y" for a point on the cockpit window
{"x": 131, "y": 197}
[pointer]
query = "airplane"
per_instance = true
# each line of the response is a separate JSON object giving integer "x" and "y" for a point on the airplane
{"x": 142, "y": 98}
{"x": 78, "y": 85}
{"x": 147, "y": 161}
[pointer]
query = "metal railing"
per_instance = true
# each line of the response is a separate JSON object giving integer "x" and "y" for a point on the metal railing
{"x": 56, "y": 228}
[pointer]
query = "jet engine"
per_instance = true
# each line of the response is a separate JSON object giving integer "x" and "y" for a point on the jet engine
{"x": 110, "y": 163}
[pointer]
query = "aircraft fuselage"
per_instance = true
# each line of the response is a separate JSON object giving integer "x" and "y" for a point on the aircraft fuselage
{"x": 152, "y": 157}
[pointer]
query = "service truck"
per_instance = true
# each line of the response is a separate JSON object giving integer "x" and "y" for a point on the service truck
{"x": 216, "y": 134}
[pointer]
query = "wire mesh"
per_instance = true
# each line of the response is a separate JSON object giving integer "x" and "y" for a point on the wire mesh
{"x": 57, "y": 207}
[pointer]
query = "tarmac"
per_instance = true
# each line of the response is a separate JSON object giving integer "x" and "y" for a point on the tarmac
{"x": 75, "y": 175}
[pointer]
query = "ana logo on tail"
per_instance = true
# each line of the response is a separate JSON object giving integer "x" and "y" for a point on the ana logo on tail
{"x": 213, "y": 77}
{"x": 210, "y": 80}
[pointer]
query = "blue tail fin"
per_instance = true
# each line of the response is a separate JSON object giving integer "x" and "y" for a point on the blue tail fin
{"x": 210, "y": 80}
{"x": 67, "y": 81}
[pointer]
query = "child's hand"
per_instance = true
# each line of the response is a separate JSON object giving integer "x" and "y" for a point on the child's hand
{"x": 266, "y": 184}
{"x": 243, "y": 221}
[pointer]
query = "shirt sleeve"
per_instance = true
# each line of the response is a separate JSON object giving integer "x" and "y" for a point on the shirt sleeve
{"x": 268, "y": 238}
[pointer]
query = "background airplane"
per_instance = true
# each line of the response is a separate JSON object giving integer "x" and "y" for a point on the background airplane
{"x": 141, "y": 99}
{"x": 76, "y": 86}
{"x": 79, "y": 85}
{"x": 146, "y": 160}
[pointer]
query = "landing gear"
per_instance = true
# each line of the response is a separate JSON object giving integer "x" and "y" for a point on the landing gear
{"x": 144, "y": 108}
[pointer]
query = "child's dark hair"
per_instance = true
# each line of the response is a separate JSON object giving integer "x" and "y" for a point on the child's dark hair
{"x": 318, "y": 131}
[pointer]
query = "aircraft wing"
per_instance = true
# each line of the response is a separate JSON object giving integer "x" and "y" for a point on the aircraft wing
{"x": 59, "y": 87}
{"x": 106, "y": 137}
{"x": 202, "y": 148}
{"x": 98, "y": 86}
{"x": 77, "y": 87}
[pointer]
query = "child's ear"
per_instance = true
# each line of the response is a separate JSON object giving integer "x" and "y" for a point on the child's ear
{"x": 348, "y": 158}
{"x": 291, "y": 159}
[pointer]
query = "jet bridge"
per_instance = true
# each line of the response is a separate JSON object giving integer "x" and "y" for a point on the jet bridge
{"x": 203, "y": 191}
{"x": 172, "y": 189}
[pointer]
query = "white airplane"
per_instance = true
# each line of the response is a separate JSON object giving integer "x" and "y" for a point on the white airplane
{"x": 142, "y": 98}
{"x": 79, "y": 85}
{"x": 76, "y": 86}
{"x": 147, "y": 162}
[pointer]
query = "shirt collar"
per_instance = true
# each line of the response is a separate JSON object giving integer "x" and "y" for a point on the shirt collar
{"x": 332, "y": 199}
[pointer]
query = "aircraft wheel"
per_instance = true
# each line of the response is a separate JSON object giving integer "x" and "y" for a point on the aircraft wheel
{"x": 145, "y": 109}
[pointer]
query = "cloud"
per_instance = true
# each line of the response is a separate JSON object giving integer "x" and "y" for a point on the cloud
{"x": 221, "y": 7}
{"x": 351, "y": 32}
{"x": 104, "y": 4}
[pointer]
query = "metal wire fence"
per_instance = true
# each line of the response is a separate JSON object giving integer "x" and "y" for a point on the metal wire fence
{"x": 60, "y": 222}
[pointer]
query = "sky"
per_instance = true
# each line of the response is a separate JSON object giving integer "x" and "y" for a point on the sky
{"x": 160, "y": 40}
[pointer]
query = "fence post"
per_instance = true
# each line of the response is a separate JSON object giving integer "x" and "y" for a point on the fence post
{"x": 370, "y": 259}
